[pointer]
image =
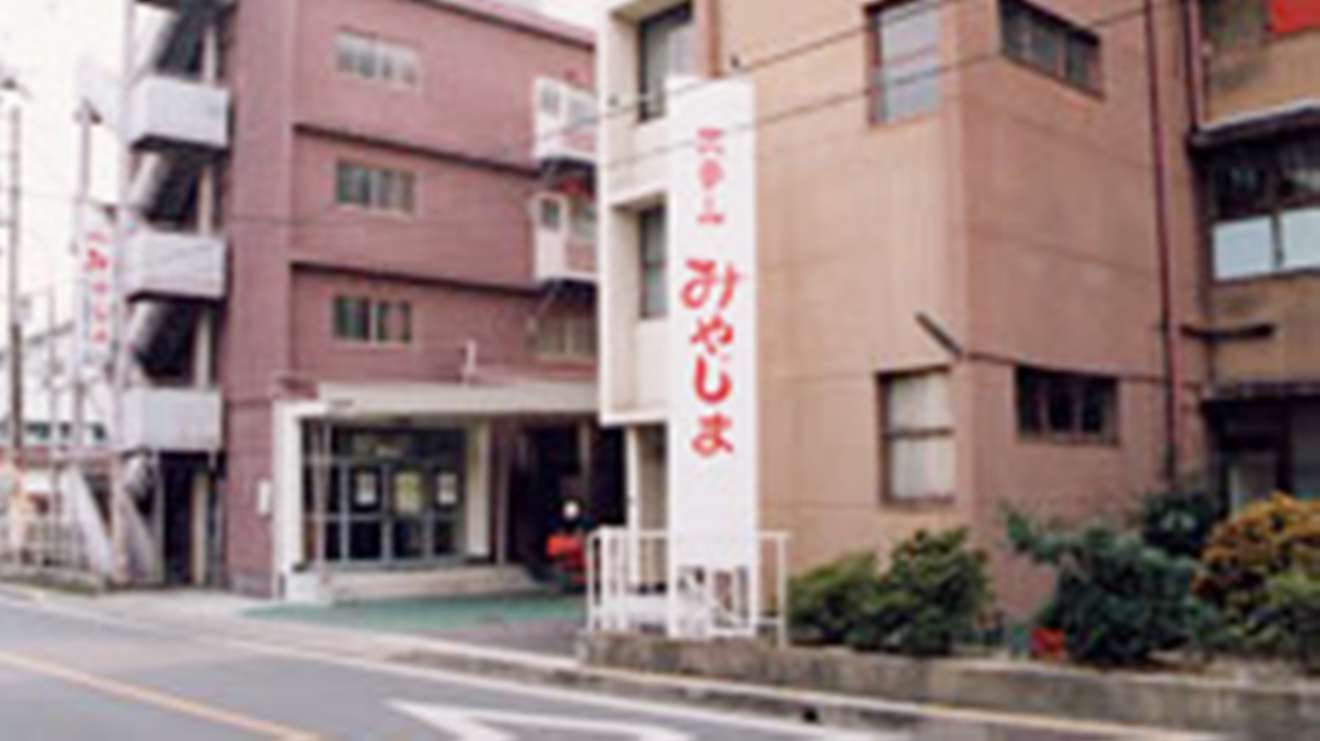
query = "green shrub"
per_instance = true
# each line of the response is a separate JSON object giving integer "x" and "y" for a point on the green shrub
{"x": 933, "y": 595}
{"x": 1117, "y": 600}
{"x": 1180, "y": 522}
{"x": 825, "y": 604}
{"x": 1263, "y": 541}
{"x": 1291, "y": 619}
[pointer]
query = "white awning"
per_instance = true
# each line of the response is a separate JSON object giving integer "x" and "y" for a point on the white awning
{"x": 521, "y": 398}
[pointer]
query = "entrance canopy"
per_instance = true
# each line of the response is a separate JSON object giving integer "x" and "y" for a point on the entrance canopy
{"x": 512, "y": 399}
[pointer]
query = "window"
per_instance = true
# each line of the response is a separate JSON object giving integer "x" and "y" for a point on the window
{"x": 359, "y": 319}
{"x": 1265, "y": 208}
{"x": 552, "y": 214}
{"x": 375, "y": 188}
{"x": 371, "y": 58}
{"x": 1067, "y": 407}
{"x": 917, "y": 440}
{"x": 381, "y": 495}
{"x": 566, "y": 337}
{"x": 584, "y": 221}
{"x": 1049, "y": 44}
{"x": 664, "y": 49}
{"x": 905, "y": 59}
{"x": 652, "y": 230}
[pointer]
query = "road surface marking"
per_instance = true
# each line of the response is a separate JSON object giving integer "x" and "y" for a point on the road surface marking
{"x": 694, "y": 688}
{"x": 475, "y": 725}
{"x": 155, "y": 699}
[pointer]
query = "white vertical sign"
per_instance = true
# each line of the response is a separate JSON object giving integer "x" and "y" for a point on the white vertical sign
{"x": 96, "y": 291}
{"x": 713, "y": 491}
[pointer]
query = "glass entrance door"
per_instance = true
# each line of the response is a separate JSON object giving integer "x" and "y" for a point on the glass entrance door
{"x": 393, "y": 497}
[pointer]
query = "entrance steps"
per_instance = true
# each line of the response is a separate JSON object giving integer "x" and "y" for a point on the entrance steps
{"x": 464, "y": 581}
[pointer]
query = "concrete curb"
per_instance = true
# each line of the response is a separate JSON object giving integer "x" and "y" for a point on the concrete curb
{"x": 1288, "y": 710}
{"x": 831, "y": 709}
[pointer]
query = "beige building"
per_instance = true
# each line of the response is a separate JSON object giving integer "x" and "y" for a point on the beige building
{"x": 970, "y": 295}
{"x": 1257, "y": 150}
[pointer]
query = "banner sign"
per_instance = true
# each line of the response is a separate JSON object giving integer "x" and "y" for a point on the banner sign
{"x": 96, "y": 297}
{"x": 713, "y": 493}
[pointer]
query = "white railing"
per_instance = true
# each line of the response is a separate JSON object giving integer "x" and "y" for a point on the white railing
{"x": 629, "y": 578}
{"x": 44, "y": 541}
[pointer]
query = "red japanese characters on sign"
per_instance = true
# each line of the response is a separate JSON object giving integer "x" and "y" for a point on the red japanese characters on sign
{"x": 711, "y": 175}
{"x": 709, "y": 290}
{"x": 710, "y": 335}
{"x": 97, "y": 290}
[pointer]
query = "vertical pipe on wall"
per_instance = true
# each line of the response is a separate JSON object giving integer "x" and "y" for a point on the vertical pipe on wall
{"x": 1168, "y": 322}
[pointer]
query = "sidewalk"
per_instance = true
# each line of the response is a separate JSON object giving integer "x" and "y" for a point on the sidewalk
{"x": 358, "y": 635}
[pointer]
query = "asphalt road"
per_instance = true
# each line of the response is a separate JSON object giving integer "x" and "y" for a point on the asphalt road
{"x": 67, "y": 676}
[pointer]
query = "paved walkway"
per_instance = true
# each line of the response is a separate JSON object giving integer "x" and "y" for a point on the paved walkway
{"x": 541, "y": 623}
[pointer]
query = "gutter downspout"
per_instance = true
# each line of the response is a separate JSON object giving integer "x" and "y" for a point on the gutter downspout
{"x": 1168, "y": 322}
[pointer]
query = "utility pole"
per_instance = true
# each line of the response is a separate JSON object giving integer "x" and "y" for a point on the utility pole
{"x": 16, "y": 419}
{"x": 120, "y": 501}
{"x": 77, "y": 364}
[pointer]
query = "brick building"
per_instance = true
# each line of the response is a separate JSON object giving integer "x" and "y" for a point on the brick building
{"x": 978, "y": 253}
{"x": 362, "y": 312}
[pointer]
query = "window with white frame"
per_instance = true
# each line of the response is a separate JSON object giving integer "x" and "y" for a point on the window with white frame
{"x": 905, "y": 59}
{"x": 916, "y": 413}
{"x": 653, "y": 234}
{"x": 664, "y": 49}
{"x": 568, "y": 337}
{"x": 373, "y": 321}
{"x": 375, "y": 188}
{"x": 1265, "y": 208}
{"x": 372, "y": 58}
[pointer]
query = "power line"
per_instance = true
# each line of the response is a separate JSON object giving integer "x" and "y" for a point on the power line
{"x": 475, "y": 223}
{"x": 847, "y": 96}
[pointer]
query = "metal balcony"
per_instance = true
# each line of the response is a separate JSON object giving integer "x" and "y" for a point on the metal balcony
{"x": 175, "y": 265}
{"x": 171, "y": 114}
{"x": 565, "y": 125}
{"x": 174, "y": 420}
{"x": 564, "y": 239}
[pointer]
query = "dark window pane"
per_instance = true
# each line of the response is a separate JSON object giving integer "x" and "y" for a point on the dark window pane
{"x": 409, "y": 540}
{"x": 334, "y": 540}
{"x": 1241, "y": 184}
{"x": 1050, "y": 44}
{"x": 1097, "y": 407}
{"x": 664, "y": 49}
{"x": 366, "y": 541}
{"x": 404, "y": 330}
{"x": 384, "y": 315}
{"x": 653, "y": 231}
{"x": 445, "y": 534}
{"x": 1299, "y": 182}
{"x": 1030, "y": 403}
{"x": 1061, "y": 401}
{"x": 1080, "y": 69}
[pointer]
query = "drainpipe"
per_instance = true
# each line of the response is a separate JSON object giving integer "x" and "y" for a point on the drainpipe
{"x": 1169, "y": 321}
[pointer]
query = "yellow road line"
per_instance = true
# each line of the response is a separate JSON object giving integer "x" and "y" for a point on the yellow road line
{"x": 155, "y": 699}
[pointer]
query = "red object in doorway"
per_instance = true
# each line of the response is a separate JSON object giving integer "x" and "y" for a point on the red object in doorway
{"x": 1291, "y": 16}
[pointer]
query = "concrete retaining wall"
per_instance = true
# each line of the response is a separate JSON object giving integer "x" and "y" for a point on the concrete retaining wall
{"x": 1171, "y": 701}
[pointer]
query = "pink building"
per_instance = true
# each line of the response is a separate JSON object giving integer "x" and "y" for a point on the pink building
{"x": 363, "y": 307}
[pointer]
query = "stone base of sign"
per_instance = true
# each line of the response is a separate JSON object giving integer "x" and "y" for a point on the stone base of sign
{"x": 1245, "y": 706}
